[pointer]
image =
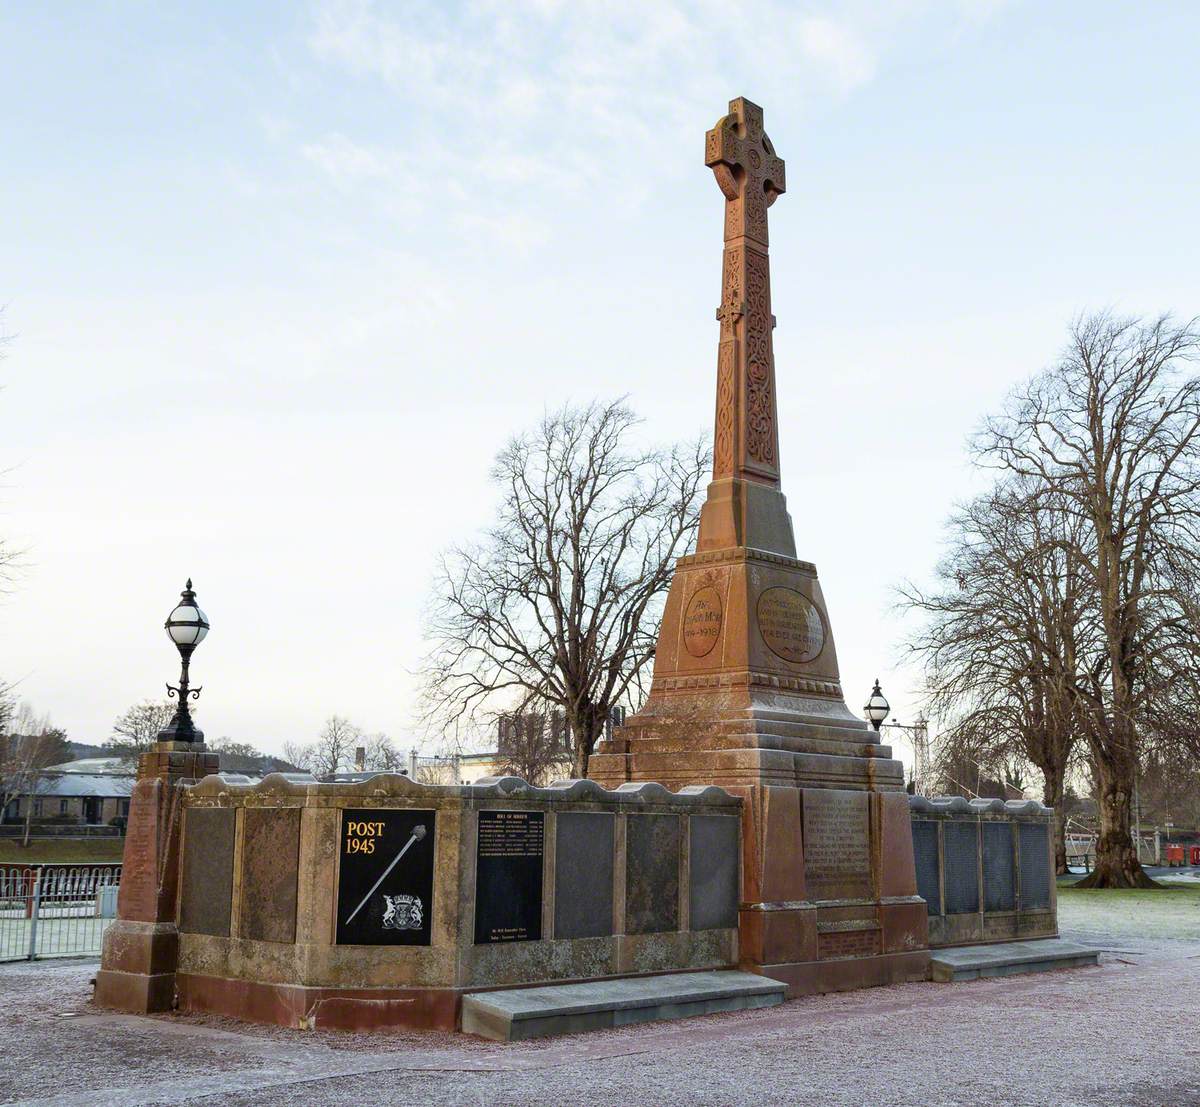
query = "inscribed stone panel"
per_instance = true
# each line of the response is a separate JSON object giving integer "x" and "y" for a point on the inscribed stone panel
{"x": 651, "y": 873}
{"x": 508, "y": 876}
{"x": 925, "y": 853}
{"x": 961, "y": 845}
{"x": 207, "y": 871}
{"x": 999, "y": 876}
{"x": 270, "y": 857}
{"x": 583, "y": 875}
{"x": 1035, "y": 864}
{"x": 837, "y": 844}
{"x": 714, "y": 871}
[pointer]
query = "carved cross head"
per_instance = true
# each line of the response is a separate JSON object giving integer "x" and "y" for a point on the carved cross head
{"x": 748, "y": 171}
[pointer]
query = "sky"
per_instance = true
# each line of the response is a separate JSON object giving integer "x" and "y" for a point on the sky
{"x": 280, "y": 279}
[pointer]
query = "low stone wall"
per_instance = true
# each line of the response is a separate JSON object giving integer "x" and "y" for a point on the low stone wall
{"x": 283, "y": 916}
{"x": 985, "y": 868}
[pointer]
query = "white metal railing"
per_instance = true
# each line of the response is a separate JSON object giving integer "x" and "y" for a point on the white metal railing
{"x": 56, "y": 910}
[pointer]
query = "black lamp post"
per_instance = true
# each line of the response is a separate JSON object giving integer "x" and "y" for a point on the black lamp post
{"x": 186, "y": 626}
{"x": 877, "y": 707}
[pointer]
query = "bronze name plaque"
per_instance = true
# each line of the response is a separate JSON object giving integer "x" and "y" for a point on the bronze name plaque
{"x": 790, "y": 624}
{"x": 702, "y": 622}
{"x": 837, "y": 844}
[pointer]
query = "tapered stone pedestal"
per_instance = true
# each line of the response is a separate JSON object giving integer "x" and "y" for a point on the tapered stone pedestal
{"x": 141, "y": 949}
{"x": 746, "y": 691}
{"x": 828, "y": 884}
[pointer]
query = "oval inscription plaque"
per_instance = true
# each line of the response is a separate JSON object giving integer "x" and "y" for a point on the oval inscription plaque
{"x": 702, "y": 622}
{"x": 790, "y": 624}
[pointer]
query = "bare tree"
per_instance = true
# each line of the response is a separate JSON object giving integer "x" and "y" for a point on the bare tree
{"x": 1112, "y": 435}
{"x": 9, "y": 557}
{"x": 533, "y": 745}
{"x": 382, "y": 755}
{"x": 29, "y": 745}
{"x": 137, "y": 729}
{"x": 1005, "y": 632}
{"x": 332, "y": 751}
{"x": 298, "y": 754}
{"x": 558, "y": 604}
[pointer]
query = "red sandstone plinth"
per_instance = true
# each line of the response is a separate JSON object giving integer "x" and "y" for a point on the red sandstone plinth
{"x": 141, "y": 949}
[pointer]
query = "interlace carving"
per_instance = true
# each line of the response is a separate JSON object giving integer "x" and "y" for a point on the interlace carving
{"x": 751, "y": 177}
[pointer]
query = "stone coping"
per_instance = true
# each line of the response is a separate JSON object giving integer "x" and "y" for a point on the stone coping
{"x": 376, "y": 785}
{"x": 959, "y": 805}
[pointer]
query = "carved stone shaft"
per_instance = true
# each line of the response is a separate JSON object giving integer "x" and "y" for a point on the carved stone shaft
{"x": 751, "y": 177}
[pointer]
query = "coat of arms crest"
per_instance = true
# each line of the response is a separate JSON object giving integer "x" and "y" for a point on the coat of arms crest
{"x": 402, "y": 913}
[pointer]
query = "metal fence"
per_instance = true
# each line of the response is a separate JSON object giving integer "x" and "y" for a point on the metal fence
{"x": 62, "y": 830}
{"x": 55, "y": 910}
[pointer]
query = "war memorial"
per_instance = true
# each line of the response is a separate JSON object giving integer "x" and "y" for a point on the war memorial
{"x": 743, "y": 839}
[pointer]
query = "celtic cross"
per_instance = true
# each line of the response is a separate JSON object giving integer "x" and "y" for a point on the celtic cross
{"x": 751, "y": 177}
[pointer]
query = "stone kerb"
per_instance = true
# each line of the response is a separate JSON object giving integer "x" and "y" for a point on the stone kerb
{"x": 985, "y": 868}
{"x": 494, "y": 884}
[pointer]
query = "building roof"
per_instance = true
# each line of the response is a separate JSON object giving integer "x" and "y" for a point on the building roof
{"x": 92, "y": 765}
{"x": 67, "y": 785}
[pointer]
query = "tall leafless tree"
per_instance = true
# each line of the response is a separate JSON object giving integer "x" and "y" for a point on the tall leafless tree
{"x": 1004, "y": 633}
{"x": 137, "y": 728}
{"x": 557, "y": 607}
{"x": 382, "y": 754}
{"x": 331, "y": 752}
{"x": 1111, "y": 435}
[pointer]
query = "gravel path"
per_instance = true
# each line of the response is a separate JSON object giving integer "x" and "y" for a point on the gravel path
{"x": 1081, "y": 1037}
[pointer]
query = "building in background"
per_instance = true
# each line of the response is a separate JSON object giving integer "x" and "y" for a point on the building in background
{"x": 92, "y": 791}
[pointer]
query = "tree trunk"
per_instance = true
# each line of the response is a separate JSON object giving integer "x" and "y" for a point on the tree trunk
{"x": 1052, "y": 796}
{"x": 1117, "y": 865}
{"x": 587, "y": 724}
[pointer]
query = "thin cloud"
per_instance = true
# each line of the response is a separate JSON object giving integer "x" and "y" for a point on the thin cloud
{"x": 541, "y": 98}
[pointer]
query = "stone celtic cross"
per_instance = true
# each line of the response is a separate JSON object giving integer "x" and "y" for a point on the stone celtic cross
{"x": 751, "y": 177}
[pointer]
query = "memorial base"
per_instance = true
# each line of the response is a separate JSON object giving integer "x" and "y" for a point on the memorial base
{"x": 829, "y": 894}
{"x": 138, "y": 972}
{"x": 141, "y": 949}
{"x": 321, "y": 1008}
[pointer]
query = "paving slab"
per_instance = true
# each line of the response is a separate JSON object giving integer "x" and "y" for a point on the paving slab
{"x": 1009, "y": 958}
{"x": 542, "y": 1012}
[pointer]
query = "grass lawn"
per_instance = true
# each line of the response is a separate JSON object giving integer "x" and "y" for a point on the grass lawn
{"x": 61, "y": 851}
{"x": 1172, "y": 911}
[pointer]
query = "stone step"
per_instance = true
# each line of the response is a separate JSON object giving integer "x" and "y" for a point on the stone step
{"x": 1008, "y": 958}
{"x": 600, "y": 1004}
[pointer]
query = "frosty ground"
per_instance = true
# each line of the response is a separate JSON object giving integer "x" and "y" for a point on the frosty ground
{"x": 1126, "y": 1032}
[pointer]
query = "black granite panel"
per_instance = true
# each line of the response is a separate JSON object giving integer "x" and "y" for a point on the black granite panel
{"x": 714, "y": 872}
{"x": 583, "y": 875}
{"x": 999, "y": 874}
{"x": 270, "y": 858}
{"x": 961, "y": 845}
{"x": 652, "y": 873}
{"x": 207, "y": 871}
{"x": 385, "y": 877}
{"x": 508, "y": 876}
{"x": 1035, "y": 865}
{"x": 925, "y": 852}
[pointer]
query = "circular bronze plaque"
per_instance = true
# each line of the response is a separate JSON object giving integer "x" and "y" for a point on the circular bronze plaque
{"x": 702, "y": 622}
{"x": 790, "y": 625}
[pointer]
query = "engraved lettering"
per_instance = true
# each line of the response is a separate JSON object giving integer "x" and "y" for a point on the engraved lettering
{"x": 791, "y": 625}
{"x": 837, "y": 844}
{"x": 702, "y": 622}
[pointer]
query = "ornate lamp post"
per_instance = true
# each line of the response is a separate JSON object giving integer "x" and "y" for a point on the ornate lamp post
{"x": 876, "y": 708}
{"x": 186, "y": 626}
